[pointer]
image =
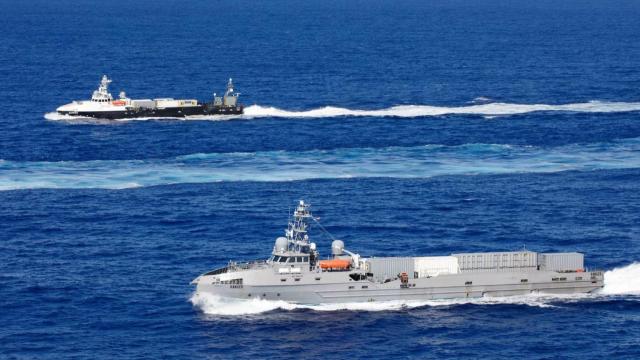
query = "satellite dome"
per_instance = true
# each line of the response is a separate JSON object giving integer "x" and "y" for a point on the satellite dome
{"x": 337, "y": 247}
{"x": 281, "y": 245}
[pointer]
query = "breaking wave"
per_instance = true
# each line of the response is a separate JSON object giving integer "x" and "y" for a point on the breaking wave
{"x": 619, "y": 281}
{"x": 388, "y": 162}
{"x": 622, "y": 281}
{"x": 406, "y": 111}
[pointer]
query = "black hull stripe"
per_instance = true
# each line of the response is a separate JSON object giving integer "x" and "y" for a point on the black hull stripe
{"x": 171, "y": 112}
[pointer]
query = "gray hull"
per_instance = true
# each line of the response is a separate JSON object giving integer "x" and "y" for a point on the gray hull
{"x": 295, "y": 273}
{"x": 337, "y": 287}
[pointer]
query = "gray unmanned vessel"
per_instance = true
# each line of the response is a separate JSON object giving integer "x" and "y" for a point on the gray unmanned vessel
{"x": 295, "y": 273}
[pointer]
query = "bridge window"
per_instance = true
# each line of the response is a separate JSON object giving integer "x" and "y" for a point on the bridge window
{"x": 468, "y": 283}
{"x": 524, "y": 280}
{"x": 299, "y": 259}
{"x": 282, "y": 259}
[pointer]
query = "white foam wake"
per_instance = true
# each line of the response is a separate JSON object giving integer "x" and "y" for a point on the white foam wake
{"x": 410, "y": 111}
{"x": 215, "y": 305}
{"x": 622, "y": 281}
{"x": 403, "y": 111}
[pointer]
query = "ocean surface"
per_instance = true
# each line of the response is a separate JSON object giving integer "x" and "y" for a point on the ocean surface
{"x": 412, "y": 128}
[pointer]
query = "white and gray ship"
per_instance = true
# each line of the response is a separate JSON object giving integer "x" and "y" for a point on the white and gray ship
{"x": 296, "y": 273}
{"x": 103, "y": 106}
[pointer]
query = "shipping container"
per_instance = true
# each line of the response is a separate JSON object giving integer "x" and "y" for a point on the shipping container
{"x": 143, "y": 103}
{"x": 166, "y": 103}
{"x": 497, "y": 260}
{"x": 384, "y": 268}
{"x": 435, "y": 265}
{"x": 561, "y": 261}
{"x": 172, "y": 103}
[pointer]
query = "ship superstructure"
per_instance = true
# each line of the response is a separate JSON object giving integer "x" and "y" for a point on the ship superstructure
{"x": 103, "y": 106}
{"x": 295, "y": 273}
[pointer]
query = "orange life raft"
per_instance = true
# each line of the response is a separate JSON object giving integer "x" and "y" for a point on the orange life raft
{"x": 335, "y": 264}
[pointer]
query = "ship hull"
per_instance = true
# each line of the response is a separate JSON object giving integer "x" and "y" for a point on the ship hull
{"x": 178, "y": 112}
{"x": 332, "y": 288}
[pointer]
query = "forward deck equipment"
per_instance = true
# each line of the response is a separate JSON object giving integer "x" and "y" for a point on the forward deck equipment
{"x": 103, "y": 106}
{"x": 296, "y": 273}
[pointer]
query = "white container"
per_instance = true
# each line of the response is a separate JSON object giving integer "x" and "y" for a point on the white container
{"x": 166, "y": 103}
{"x": 428, "y": 266}
{"x": 143, "y": 103}
{"x": 173, "y": 103}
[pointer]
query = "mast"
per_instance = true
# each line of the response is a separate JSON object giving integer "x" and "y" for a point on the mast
{"x": 229, "y": 87}
{"x": 296, "y": 231}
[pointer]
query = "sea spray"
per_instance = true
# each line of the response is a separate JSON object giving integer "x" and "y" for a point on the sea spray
{"x": 622, "y": 280}
{"x": 216, "y": 305}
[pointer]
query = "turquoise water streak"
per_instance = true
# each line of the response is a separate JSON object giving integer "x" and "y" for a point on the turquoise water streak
{"x": 390, "y": 162}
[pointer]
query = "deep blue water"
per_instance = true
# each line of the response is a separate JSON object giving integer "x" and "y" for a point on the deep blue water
{"x": 486, "y": 125}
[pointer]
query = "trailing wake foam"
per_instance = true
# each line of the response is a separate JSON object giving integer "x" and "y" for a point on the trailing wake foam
{"x": 409, "y": 111}
{"x": 619, "y": 281}
{"x": 214, "y": 305}
{"x": 390, "y": 162}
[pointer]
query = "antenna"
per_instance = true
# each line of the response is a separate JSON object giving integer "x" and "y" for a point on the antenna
{"x": 323, "y": 228}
